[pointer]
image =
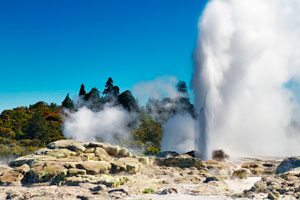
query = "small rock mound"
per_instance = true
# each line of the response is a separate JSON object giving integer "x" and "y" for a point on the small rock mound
{"x": 219, "y": 155}
{"x": 288, "y": 164}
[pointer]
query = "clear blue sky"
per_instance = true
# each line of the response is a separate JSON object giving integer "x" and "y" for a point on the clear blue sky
{"x": 49, "y": 47}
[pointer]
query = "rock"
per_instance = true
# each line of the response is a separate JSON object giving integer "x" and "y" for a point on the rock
{"x": 254, "y": 167}
{"x": 194, "y": 154}
{"x": 87, "y": 156}
{"x": 167, "y": 154}
{"x": 23, "y": 160}
{"x": 14, "y": 176}
{"x": 179, "y": 162}
{"x": 271, "y": 195}
{"x": 148, "y": 191}
{"x": 98, "y": 188}
{"x": 94, "y": 167}
{"x": 219, "y": 155}
{"x": 69, "y": 165}
{"x": 209, "y": 179}
{"x": 76, "y": 172}
{"x": 102, "y": 154}
{"x": 118, "y": 190}
{"x": 239, "y": 174}
{"x": 113, "y": 150}
{"x": 124, "y": 153}
{"x": 169, "y": 191}
{"x": 144, "y": 160}
{"x": 219, "y": 168}
{"x": 106, "y": 180}
{"x": 89, "y": 150}
{"x": 288, "y": 164}
{"x": 72, "y": 145}
{"x": 56, "y": 153}
{"x": 132, "y": 164}
{"x": 46, "y": 172}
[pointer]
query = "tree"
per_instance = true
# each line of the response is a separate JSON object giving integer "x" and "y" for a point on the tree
{"x": 127, "y": 100}
{"x": 82, "y": 91}
{"x": 93, "y": 94}
{"x": 184, "y": 102}
{"x": 68, "y": 103}
{"x": 182, "y": 88}
{"x": 108, "y": 87}
{"x": 37, "y": 127}
{"x": 150, "y": 134}
{"x": 111, "y": 90}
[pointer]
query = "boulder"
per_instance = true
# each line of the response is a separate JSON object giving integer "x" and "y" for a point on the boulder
{"x": 14, "y": 176}
{"x": 23, "y": 160}
{"x": 167, "y": 154}
{"x": 209, "y": 179}
{"x": 180, "y": 162}
{"x": 46, "y": 171}
{"x": 56, "y": 153}
{"x": 132, "y": 165}
{"x": 219, "y": 155}
{"x": 76, "y": 172}
{"x": 194, "y": 153}
{"x": 102, "y": 154}
{"x": 72, "y": 145}
{"x": 254, "y": 167}
{"x": 219, "y": 168}
{"x": 169, "y": 191}
{"x": 239, "y": 174}
{"x": 94, "y": 167}
{"x": 288, "y": 164}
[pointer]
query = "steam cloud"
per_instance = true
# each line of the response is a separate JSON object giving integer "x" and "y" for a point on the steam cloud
{"x": 247, "y": 58}
{"x": 162, "y": 86}
{"x": 107, "y": 125}
{"x": 110, "y": 124}
{"x": 179, "y": 134}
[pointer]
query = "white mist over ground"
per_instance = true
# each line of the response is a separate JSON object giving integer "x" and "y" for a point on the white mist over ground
{"x": 248, "y": 53}
{"x": 179, "y": 134}
{"x": 107, "y": 125}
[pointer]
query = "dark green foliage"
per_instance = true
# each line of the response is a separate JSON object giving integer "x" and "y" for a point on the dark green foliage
{"x": 111, "y": 90}
{"x": 82, "y": 91}
{"x": 24, "y": 130}
{"x": 93, "y": 99}
{"x": 181, "y": 87}
{"x": 127, "y": 100}
{"x": 184, "y": 101}
{"x": 150, "y": 134}
{"x": 93, "y": 94}
{"x": 68, "y": 103}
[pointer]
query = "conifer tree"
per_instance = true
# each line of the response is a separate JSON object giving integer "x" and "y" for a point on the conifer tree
{"x": 82, "y": 91}
{"x": 68, "y": 103}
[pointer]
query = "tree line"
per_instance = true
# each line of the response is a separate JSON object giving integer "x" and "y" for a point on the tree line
{"x": 25, "y": 129}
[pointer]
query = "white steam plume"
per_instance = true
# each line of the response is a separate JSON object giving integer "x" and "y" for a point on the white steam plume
{"x": 108, "y": 125}
{"x": 179, "y": 134}
{"x": 162, "y": 86}
{"x": 247, "y": 53}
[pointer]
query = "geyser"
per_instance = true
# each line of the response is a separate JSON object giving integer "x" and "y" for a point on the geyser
{"x": 247, "y": 58}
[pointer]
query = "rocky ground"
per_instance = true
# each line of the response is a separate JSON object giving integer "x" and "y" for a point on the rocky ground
{"x": 69, "y": 169}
